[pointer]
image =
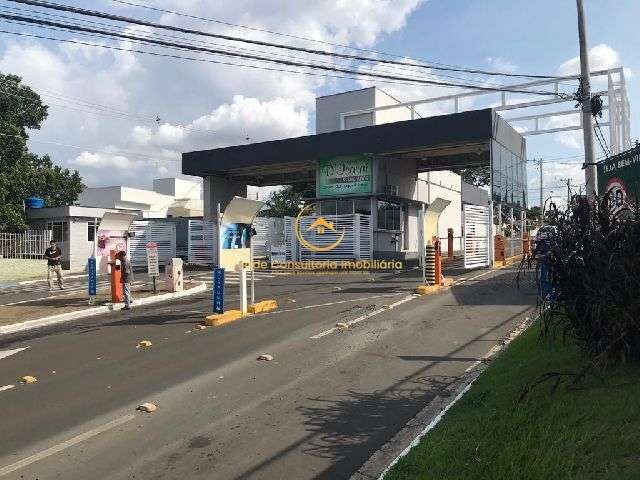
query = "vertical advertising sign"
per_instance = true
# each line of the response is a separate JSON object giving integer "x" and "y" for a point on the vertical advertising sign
{"x": 153, "y": 264}
{"x": 92, "y": 274}
{"x": 218, "y": 290}
{"x": 619, "y": 176}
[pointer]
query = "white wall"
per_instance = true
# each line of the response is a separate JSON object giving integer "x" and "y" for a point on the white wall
{"x": 328, "y": 108}
{"x": 150, "y": 203}
{"x": 79, "y": 248}
{"x": 178, "y": 188}
{"x": 391, "y": 115}
{"x": 446, "y": 185}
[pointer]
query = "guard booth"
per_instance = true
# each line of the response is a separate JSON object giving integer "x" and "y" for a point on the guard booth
{"x": 396, "y": 181}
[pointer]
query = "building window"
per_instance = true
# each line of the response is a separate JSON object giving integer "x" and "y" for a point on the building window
{"x": 91, "y": 227}
{"x": 328, "y": 207}
{"x": 389, "y": 214}
{"x": 59, "y": 231}
{"x": 362, "y": 206}
{"x": 345, "y": 207}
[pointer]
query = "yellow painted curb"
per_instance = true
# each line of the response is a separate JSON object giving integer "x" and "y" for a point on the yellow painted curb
{"x": 218, "y": 319}
{"x": 263, "y": 306}
{"x": 426, "y": 289}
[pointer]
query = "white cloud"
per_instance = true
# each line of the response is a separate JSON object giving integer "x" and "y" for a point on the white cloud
{"x": 200, "y": 105}
{"x": 501, "y": 65}
{"x": 601, "y": 57}
{"x": 229, "y": 124}
{"x": 101, "y": 160}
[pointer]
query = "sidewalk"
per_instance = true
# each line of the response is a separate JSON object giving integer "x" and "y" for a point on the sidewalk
{"x": 75, "y": 304}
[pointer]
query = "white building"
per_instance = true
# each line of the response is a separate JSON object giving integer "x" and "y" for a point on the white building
{"x": 356, "y": 109}
{"x": 170, "y": 197}
{"x": 377, "y": 161}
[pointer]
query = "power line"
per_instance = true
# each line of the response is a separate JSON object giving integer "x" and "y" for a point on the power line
{"x": 297, "y": 37}
{"x": 163, "y": 43}
{"x": 120, "y": 18}
{"x": 146, "y": 34}
{"x": 195, "y": 59}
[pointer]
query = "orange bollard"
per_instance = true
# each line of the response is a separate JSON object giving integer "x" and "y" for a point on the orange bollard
{"x": 438, "y": 269}
{"x": 526, "y": 244}
{"x": 117, "y": 295}
{"x": 500, "y": 249}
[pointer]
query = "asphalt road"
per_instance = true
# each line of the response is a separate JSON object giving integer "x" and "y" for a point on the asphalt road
{"x": 326, "y": 402}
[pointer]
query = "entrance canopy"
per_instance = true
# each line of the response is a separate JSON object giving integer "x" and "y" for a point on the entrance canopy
{"x": 436, "y": 143}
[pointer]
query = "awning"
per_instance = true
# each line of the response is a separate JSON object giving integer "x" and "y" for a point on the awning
{"x": 435, "y": 143}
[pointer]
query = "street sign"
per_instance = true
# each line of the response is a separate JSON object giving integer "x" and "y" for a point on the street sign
{"x": 93, "y": 280}
{"x": 153, "y": 266}
{"x": 218, "y": 290}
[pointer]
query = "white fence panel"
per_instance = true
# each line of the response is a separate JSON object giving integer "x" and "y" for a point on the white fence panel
{"x": 202, "y": 242}
{"x": 27, "y": 245}
{"x": 476, "y": 236}
{"x": 162, "y": 233}
{"x": 356, "y": 244}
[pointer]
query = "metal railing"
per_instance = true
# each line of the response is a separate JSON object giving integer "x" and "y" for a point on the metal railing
{"x": 28, "y": 245}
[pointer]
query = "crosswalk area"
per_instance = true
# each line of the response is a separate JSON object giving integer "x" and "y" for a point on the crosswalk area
{"x": 231, "y": 277}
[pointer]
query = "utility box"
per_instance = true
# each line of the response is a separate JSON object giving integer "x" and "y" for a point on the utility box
{"x": 174, "y": 275}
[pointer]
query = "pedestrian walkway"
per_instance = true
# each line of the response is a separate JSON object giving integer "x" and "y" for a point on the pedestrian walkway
{"x": 76, "y": 300}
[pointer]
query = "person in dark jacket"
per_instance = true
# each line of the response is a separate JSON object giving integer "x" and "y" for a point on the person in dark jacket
{"x": 126, "y": 278}
{"x": 53, "y": 254}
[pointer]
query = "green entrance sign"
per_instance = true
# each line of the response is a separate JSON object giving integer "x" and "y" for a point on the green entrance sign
{"x": 346, "y": 175}
{"x": 620, "y": 175}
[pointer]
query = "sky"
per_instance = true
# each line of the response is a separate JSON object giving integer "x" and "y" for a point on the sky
{"x": 124, "y": 118}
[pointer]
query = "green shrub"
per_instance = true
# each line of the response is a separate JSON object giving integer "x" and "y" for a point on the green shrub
{"x": 594, "y": 260}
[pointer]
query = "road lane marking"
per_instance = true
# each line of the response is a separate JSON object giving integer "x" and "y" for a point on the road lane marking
{"x": 6, "y": 387}
{"x": 367, "y": 315}
{"x": 8, "y": 353}
{"x": 337, "y": 302}
{"x": 64, "y": 445}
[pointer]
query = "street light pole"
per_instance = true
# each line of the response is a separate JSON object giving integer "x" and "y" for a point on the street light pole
{"x": 587, "y": 118}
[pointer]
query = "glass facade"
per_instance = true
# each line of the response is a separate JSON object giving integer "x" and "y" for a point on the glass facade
{"x": 508, "y": 177}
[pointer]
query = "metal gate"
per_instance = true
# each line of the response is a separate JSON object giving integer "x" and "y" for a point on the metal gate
{"x": 356, "y": 243}
{"x": 161, "y": 232}
{"x": 476, "y": 236}
{"x": 202, "y": 242}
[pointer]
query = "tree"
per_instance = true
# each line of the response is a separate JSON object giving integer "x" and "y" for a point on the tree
{"x": 286, "y": 202}
{"x": 534, "y": 213}
{"x": 22, "y": 173}
{"x": 478, "y": 176}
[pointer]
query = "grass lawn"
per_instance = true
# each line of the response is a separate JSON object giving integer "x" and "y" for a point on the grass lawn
{"x": 590, "y": 433}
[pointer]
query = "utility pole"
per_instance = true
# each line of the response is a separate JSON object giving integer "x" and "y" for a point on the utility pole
{"x": 541, "y": 195}
{"x": 568, "y": 192}
{"x": 587, "y": 118}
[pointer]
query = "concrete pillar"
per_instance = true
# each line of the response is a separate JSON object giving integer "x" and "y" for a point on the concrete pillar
{"x": 219, "y": 190}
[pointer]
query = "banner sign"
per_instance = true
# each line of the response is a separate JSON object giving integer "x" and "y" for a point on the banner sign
{"x": 92, "y": 275}
{"x": 345, "y": 175}
{"x": 153, "y": 264}
{"x": 218, "y": 290}
{"x": 111, "y": 240}
{"x": 620, "y": 176}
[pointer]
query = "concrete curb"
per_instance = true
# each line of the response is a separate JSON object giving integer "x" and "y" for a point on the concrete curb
{"x": 89, "y": 312}
{"x": 390, "y": 453}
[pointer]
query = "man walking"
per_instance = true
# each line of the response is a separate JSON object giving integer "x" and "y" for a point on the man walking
{"x": 53, "y": 255}
{"x": 126, "y": 278}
